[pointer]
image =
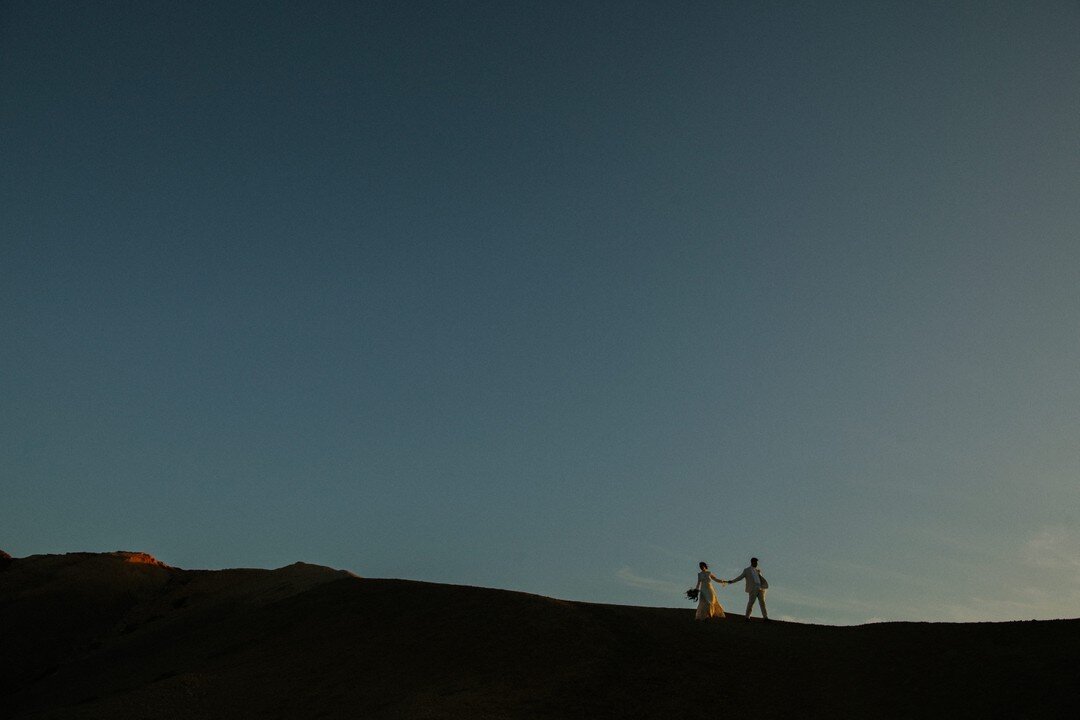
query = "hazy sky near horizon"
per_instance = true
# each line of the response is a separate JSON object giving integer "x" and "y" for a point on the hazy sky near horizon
{"x": 559, "y": 297}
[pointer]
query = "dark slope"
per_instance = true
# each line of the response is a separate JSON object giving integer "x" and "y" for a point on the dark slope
{"x": 309, "y": 642}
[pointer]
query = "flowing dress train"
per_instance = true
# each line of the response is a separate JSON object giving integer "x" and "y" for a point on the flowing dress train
{"x": 707, "y": 605}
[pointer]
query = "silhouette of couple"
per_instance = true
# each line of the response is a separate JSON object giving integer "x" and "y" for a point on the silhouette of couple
{"x": 709, "y": 607}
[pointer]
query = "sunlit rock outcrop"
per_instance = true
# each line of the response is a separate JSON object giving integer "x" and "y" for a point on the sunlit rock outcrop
{"x": 138, "y": 558}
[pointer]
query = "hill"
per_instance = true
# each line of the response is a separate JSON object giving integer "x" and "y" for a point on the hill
{"x": 121, "y": 635}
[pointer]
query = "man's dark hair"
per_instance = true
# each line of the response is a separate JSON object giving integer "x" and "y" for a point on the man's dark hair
{"x": 703, "y": 566}
{"x": 753, "y": 561}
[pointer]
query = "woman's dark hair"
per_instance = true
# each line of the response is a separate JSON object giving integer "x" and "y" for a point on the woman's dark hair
{"x": 703, "y": 565}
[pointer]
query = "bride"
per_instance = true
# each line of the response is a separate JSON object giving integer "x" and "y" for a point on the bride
{"x": 707, "y": 605}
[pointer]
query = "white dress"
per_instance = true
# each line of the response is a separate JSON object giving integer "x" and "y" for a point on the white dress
{"x": 707, "y": 604}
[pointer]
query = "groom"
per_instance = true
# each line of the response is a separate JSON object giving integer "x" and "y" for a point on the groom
{"x": 756, "y": 585}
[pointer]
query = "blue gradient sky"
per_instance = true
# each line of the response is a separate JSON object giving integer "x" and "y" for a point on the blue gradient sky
{"x": 560, "y": 297}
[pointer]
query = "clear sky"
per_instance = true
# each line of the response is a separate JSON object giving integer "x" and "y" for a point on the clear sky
{"x": 559, "y": 297}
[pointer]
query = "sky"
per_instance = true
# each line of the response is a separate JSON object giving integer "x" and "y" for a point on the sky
{"x": 558, "y": 297}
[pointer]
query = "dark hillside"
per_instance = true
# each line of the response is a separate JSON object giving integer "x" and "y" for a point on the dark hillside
{"x": 310, "y": 642}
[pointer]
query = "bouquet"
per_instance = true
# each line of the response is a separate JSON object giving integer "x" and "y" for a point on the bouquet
{"x": 692, "y": 594}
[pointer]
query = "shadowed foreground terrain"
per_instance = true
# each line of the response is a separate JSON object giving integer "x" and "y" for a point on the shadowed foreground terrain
{"x": 121, "y": 635}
